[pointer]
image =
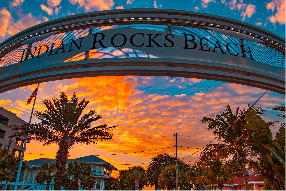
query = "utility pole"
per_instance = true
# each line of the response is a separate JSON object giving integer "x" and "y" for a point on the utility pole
{"x": 176, "y": 161}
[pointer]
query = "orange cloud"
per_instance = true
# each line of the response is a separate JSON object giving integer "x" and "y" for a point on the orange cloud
{"x": 53, "y": 3}
{"x": 16, "y": 3}
{"x": 279, "y": 17}
{"x": 10, "y": 27}
{"x": 48, "y": 10}
{"x": 250, "y": 10}
{"x": 129, "y": 2}
{"x": 147, "y": 121}
{"x": 17, "y": 112}
{"x": 206, "y": 2}
{"x": 243, "y": 89}
{"x": 89, "y": 5}
{"x": 155, "y": 4}
{"x": 24, "y": 22}
{"x": 5, "y": 18}
{"x": 119, "y": 7}
{"x": 247, "y": 9}
{"x": 5, "y": 103}
{"x": 232, "y": 4}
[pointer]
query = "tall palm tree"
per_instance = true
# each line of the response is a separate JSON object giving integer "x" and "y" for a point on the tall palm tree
{"x": 139, "y": 175}
{"x": 271, "y": 152}
{"x": 216, "y": 168}
{"x": 62, "y": 123}
{"x": 229, "y": 127}
{"x": 46, "y": 174}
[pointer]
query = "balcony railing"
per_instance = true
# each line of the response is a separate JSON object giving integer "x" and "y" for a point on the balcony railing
{"x": 100, "y": 174}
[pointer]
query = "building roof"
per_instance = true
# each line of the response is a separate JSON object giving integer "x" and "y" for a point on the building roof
{"x": 250, "y": 178}
{"x": 13, "y": 118}
{"x": 91, "y": 159}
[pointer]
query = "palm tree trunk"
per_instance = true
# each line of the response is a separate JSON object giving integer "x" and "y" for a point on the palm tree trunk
{"x": 48, "y": 186}
{"x": 136, "y": 184}
{"x": 61, "y": 161}
{"x": 76, "y": 187}
{"x": 244, "y": 171}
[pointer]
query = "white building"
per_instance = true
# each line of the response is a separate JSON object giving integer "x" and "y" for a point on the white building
{"x": 101, "y": 170}
{"x": 8, "y": 119}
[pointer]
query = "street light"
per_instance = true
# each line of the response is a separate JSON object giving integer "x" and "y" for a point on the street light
{"x": 176, "y": 135}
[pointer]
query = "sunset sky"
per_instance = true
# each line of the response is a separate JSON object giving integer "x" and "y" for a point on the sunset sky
{"x": 147, "y": 110}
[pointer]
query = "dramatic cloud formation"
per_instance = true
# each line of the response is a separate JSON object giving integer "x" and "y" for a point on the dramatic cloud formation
{"x": 146, "y": 121}
{"x": 249, "y": 11}
{"x": 279, "y": 17}
{"x": 258, "y": 23}
{"x": 24, "y": 22}
{"x": 52, "y": 7}
{"x": 120, "y": 7}
{"x": 49, "y": 10}
{"x": 206, "y": 2}
{"x": 53, "y": 3}
{"x": 129, "y": 2}
{"x": 232, "y": 4}
{"x": 89, "y": 5}
{"x": 16, "y": 3}
{"x": 8, "y": 27}
{"x": 246, "y": 9}
{"x": 5, "y": 18}
{"x": 5, "y": 102}
{"x": 155, "y": 4}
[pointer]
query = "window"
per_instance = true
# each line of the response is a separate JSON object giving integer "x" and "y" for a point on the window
{"x": 4, "y": 120}
{"x": 16, "y": 153}
{"x": 94, "y": 169}
{"x": 0, "y": 146}
{"x": 2, "y": 134}
{"x": 19, "y": 142}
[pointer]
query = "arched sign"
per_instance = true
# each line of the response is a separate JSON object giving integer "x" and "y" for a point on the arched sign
{"x": 124, "y": 43}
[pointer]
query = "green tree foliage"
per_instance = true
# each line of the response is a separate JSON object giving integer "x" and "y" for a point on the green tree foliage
{"x": 78, "y": 172}
{"x": 63, "y": 123}
{"x": 135, "y": 178}
{"x": 167, "y": 177}
{"x": 247, "y": 134}
{"x": 46, "y": 174}
{"x": 229, "y": 127}
{"x": 270, "y": 152}
{"x": 282, "y": 109}
{"x": 139, "y": 176}
{"x": 215, "y": 169}
{"x": 8, "y": 165}
{"x": 158, "y": 163}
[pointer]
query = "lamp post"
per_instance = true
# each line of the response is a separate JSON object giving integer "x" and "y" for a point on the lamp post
{"x": 176, "y": 160}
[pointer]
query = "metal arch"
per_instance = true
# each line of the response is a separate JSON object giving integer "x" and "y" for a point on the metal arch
{"x": 188, "y": 64}
{"x": 158, "y": 16}
{"x": 146, "y": 67}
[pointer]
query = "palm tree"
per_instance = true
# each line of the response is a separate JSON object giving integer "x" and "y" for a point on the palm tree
{"x": 62, "y": 123}
{"x": 229, "y": 127}
{"x": 216, "y": 168}
{"x": 271, "y": 152}
{"x": 139, "y": 175}
{"x": 46, "y": 174}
